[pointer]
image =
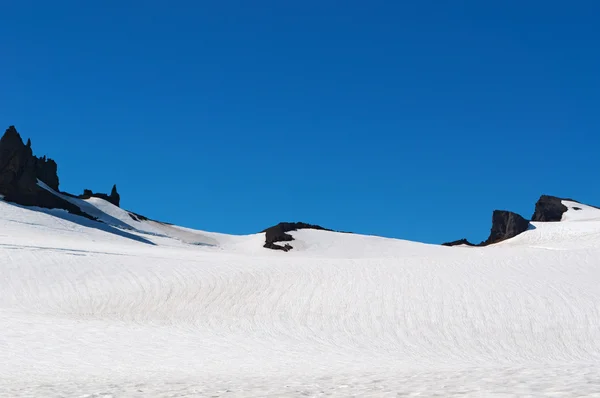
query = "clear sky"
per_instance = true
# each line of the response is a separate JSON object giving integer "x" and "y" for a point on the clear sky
{"x": 409, "y": 119}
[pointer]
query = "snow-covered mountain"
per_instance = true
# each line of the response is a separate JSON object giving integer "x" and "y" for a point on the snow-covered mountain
{"x": 98, "y": 301}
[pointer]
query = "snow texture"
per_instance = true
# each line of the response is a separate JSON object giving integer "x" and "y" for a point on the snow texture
{"x": 129, "y": 308}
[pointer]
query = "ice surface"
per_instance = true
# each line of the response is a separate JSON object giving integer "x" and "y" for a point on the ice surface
{"x": 129, "y": 308}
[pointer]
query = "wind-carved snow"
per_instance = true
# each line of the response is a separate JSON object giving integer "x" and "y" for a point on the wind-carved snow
{"x": 580, "y": 212}
{"x": 88, "y": 312}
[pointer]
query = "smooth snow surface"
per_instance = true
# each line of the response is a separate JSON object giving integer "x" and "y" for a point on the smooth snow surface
{"x": 131, "y": 308}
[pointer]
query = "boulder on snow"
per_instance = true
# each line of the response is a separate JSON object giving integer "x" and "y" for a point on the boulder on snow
{"x": 278, "y": 233}
{"x": 459, "y": 242}
{"x": 286, "y": 248}
{"x": 549, "y": 208}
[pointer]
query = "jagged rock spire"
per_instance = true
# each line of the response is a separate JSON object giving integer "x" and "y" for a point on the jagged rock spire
{"x": 114, "y": 196}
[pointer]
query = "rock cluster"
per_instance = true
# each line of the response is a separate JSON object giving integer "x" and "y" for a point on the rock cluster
{"x": 506, "y": 224}
{"x": 113, "y": 198}
{"x": 20, "y": 172}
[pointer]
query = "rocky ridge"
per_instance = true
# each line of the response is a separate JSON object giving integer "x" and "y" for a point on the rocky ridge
{"x": 21, "y": 172}
{"x": 506, "y": 224}
{"x": 29, "y": 180}
{"x": 113, "y": 198}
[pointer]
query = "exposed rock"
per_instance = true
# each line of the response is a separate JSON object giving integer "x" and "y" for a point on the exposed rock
{"x": 47, "y": 171}
{"x": 137, "y": 217}
{"x": 286, "y": 248}
{"x": 20, "y": 171}
{"x": 17, "y": 164}
{"x": 278, "y": 233}
{"x": 113, "y": 198}
{"x": 549, "y": 208}
{"x": 458, "y": 243}
{"x": 505, "y": 225}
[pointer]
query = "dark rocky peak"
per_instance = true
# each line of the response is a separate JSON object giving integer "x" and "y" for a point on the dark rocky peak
{"x": 19, "y": 169}
{"x": 505, "y": 225}
{"x": 279, "y": 233}
{"x": 14, "y": 156}
{"x": 12, "y": 138}
{"x": 549, "y": 208}
{"x": 11, "y": 145}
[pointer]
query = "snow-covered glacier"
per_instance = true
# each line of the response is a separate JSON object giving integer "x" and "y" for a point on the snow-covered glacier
{"x": 136, "y": 308}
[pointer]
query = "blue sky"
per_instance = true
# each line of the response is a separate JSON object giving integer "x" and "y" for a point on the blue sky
{"x": 403, "y": 119}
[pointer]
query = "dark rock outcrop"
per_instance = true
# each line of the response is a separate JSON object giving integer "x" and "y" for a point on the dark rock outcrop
{"x": 286, "y": 248}
{"x": 20, "y": 171}
{"x": 138, "y": 217}
{"x": 505, "y": 225}
{"x": 46, "y": 170}
{"x": 279, "y": 233}
{"x": 549, "y": 208}
{"x": 458, "y": 243}
{"x": 113, "y": 198}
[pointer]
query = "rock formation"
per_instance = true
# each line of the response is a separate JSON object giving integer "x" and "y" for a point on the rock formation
{"x": 20, "y": 172}
{"x": 505, "y": 225}
{"x": 113, "y": 198}
{"x": 278, "y": 233}
{"x": 458, "y": 243}
{"x": 19, "y": 169}
{"x": 549, "y": 208}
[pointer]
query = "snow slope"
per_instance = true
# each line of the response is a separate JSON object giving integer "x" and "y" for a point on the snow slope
{"x": 139, "y": 308}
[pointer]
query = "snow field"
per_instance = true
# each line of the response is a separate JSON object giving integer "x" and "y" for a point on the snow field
{"x": 90, "y": 311}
